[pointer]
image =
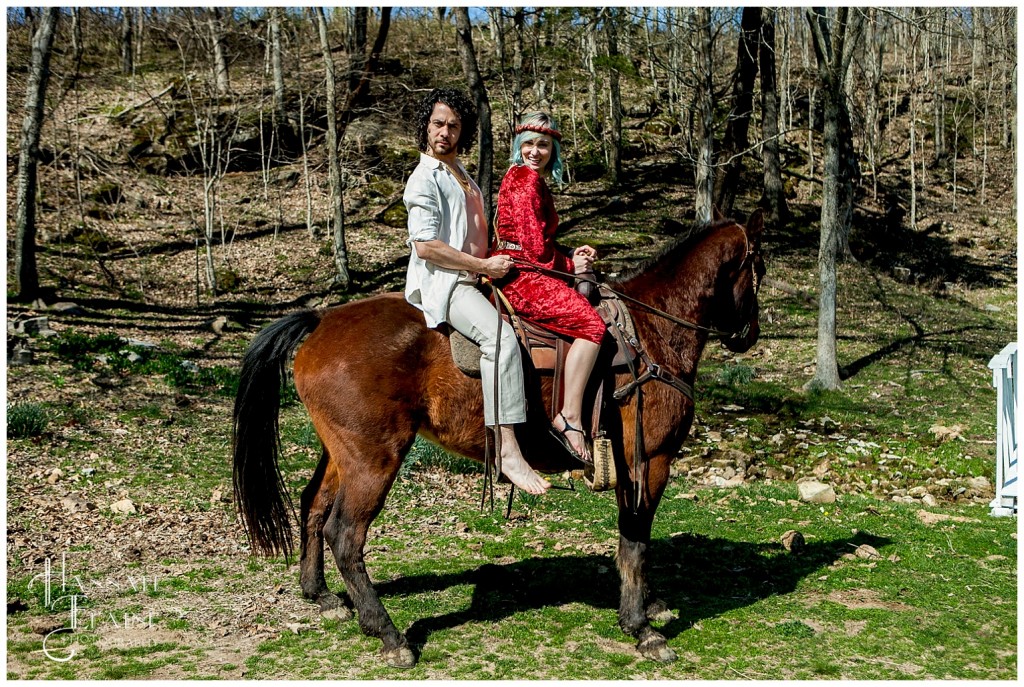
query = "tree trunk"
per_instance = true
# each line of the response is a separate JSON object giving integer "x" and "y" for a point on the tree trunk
{"x": 614, "y": 134}
{"x": 773, "y": 199}
{"x": 735, "y": 141}
{"x": 913, "y": 159}
{"x": 28, "y": 155}
{"x": 649, "y": 51}
{"x": 875, "y": 47}
{"x": 127, "y": 31}
{"x": 593, "y": 84}
{"x": 674, "y": 62}
{"x": 497, "y": 34}
{"x": 360, "y": 96}
{"x": 518, "y": 19}
{"x": 275, "y": 59}
{"x": 702, "y": 55}
{"x": 357, "y": 47}
{"x": 342, "y": 279}
{"x": 77, "y": 46}
{"x": 785, "y": 102}
{"x": 833, "y": 49}
{"x": 485, "y": 138}
{"x": 220, "y": 64}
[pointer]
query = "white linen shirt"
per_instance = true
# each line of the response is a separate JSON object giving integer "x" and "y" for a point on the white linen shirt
{"x": 437, "y": 210}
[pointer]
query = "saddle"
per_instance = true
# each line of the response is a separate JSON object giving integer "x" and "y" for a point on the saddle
{"x": 547, "y": 349}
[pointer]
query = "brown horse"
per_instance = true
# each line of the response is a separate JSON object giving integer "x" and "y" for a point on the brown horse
{"x": 372, "y": 376}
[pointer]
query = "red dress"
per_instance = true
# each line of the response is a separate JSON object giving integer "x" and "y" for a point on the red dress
{"x": 527, "y": 220}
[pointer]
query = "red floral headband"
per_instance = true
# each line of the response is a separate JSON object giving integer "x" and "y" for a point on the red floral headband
{"x": 537, "y": 128}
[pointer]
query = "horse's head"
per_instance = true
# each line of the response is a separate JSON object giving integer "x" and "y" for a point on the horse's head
{"x": 736, "y": 309}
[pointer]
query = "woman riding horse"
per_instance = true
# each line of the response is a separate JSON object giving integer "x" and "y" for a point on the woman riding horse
{"x": 525, "y": 230}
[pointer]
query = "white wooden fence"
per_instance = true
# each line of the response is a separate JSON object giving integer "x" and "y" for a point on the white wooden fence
{"x": 1004, "y": 378}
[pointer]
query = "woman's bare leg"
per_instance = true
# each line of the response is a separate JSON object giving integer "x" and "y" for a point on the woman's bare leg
{"x": 579, "y": 362}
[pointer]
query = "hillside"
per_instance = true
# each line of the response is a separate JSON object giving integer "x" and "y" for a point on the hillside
{"x": 122, "y": 250}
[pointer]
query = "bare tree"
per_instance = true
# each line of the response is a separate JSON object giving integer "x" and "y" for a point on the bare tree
{"x": 220, "y": 63}
{"x": 342, "y": 278}
{"x": 773, "y": 199}
{"x": 734, "y": 142}
{"x": 593, "y": 83}
{"x": 357, "y": 46}
{"x": 275, "y": 59}
{"x": 518, "y": 19}
{"x": 614, "y": 133}
{"x": 497, "y": 34}
{"x": 28, "y": 155}
{"x": 702, "y": 39}
{"x": 127, "y": 33}
{"x": 834, "y": 44}
{"x": 875, "y": 46}
{"x": 485, "y": 138}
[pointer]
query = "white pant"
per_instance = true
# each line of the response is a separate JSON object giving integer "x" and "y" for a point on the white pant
{"x": 474, "y": 317}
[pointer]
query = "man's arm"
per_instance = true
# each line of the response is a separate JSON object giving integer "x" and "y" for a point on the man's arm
{"x": 441, "y": 254}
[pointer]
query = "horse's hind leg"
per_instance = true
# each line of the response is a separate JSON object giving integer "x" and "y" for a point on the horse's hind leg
{"x": 366, "y": 472}
{"x": 317, "y": 499}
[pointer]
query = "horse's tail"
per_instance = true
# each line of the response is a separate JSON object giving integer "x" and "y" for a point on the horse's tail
{"x": 260, "y": 492}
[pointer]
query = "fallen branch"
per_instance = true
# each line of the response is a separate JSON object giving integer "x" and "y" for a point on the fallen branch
{"x": 131, "y": 108}
{"x": 805, "y": 296}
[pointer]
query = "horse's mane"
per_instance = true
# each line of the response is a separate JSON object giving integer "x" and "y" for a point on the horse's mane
{"x": 676, "y": 248}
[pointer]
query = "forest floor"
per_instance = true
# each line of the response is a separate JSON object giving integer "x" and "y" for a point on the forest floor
{"x": 125, "y": 479}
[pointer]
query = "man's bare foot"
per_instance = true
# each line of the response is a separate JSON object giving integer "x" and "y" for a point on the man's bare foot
{"x": 515, "y": 467}
{"x": 521, "y": 474}
{"x": 574, "y": 435}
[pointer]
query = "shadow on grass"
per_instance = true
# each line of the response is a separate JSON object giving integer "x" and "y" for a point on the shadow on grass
{"x": 697, "y": 576}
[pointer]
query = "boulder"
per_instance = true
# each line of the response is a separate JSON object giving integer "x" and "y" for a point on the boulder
{"x": 816, "y": 492}
{"x": 34, "y": 326}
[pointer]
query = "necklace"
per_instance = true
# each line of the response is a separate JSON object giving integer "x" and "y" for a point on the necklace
{"x": 460, "y": 178}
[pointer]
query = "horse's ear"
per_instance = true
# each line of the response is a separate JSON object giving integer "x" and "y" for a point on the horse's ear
{"x": 755, "y": 225}
{"x": 716, "y": 214}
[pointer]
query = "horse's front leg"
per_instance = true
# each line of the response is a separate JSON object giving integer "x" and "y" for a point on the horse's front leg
{"x": 635, "y": 612}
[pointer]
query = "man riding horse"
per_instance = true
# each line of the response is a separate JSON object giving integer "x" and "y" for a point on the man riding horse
{"x": 448, "y": 237}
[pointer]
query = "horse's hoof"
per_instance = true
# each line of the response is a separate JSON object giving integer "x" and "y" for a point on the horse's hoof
{"x": 656, "y": 649}
{"x": 402, "y": 657}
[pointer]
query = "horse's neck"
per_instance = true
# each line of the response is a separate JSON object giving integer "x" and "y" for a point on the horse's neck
{"x": 682, "y": 286}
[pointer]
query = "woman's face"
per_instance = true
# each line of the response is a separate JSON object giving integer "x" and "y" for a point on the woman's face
{"x": 537, "y": 153}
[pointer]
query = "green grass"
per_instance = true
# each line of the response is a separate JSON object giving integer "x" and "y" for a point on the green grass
{"x": 26, "y": 420}
{"x": 741, "y": 600}
{"x": 481, "y": 597}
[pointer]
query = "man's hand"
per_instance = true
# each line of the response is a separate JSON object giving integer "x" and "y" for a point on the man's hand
{"x": 497, "y": 266}
{"x": 583, "y": 259}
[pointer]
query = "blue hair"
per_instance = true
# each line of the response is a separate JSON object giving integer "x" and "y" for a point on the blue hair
{"x": 555, "y": 165}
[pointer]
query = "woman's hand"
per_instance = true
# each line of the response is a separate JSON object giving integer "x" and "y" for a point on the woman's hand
{"x": 583, "y": 259}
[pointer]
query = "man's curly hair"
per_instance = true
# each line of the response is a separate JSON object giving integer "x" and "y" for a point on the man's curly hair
{"x": 460, "y": 105}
